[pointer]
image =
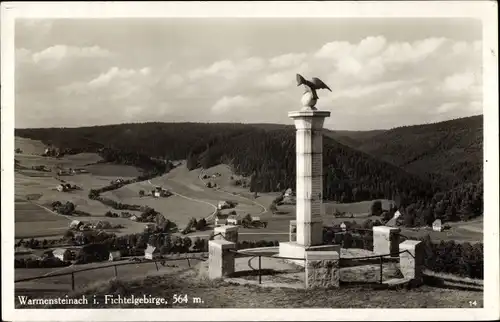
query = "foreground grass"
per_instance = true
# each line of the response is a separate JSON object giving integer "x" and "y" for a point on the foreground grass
{"x": 220, "y": 294}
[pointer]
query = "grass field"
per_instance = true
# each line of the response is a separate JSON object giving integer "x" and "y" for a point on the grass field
{"x": 192, "y": 199}
{"x": 32, "y": 220}
{"x": 62, "y": 284}
{"x": 221, "y": 294}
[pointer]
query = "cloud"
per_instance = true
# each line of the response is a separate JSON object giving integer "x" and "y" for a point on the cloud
{"x": 287, "y": 60}
{"x": 460, "y": 82}
{"x": 374, "y": 80}
{"x": 227, "y": 104}
{"x": 59, "y": 52}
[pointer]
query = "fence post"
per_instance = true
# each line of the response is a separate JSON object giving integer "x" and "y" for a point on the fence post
{"x": 156, "y": 264}
{"x": 260, "y": 277}
{"x": 381, "y": 266}
{"x": 116, "y": 271}
{"x": 72, "y": 281}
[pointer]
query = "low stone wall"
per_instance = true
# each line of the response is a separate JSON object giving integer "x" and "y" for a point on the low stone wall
{"x": 411, "y": 263}
{"x": 386, "y": 240}
{"x": 322, "y": 269}
{"x": 220, "y": 258}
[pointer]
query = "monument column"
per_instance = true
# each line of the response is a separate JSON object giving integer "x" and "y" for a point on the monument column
{"x": 309, "y": 185}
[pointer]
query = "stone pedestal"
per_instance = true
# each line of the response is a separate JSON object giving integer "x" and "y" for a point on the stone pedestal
{"x": 220, "y": 258}
{"x": 292, "y": 235}
{"x": 295, "y": 250}
{"x": 322, "y": 269}
{"x": 386, "y": 240}
{"x": 227, "y": 232}
{"x": 309, "y": 161}
{"x": 412, "y": 264}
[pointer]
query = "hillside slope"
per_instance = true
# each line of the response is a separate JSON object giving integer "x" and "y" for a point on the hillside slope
{"x": 451, "y": 151}
{"x": 267, "y": 154}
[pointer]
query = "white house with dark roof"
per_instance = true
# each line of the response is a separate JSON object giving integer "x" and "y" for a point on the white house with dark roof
{"x": 62, "y": 253}
{"x": 437, "y": 225}
{"x": 151, "y": 252}
{"x": 115, "y": 255}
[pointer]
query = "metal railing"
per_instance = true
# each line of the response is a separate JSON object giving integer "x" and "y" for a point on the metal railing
{"x": 115, "y": 267}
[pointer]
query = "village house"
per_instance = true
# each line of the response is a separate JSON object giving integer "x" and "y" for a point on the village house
{"x": 103, "y": 225}
{"x": 133, "y": 218}
{"x": 75, "y": 224}
{"x": 114, "y": 255}
{"x": 288, "y": 193}
{"x": 62, "y": 253}
{"x": 437, "y": 225}
{"x": 149, "y": 227}
{"x": 151, "y": 252}
{"x": 221, "y": 219}
{"x": 233, "y": 220}
{"x": 343, "y": 226}
{"x": 223, "y": 205}
{"x": 255, "y": 218}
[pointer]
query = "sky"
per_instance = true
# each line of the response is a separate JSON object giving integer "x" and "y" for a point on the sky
{"x": 383, "y": 73}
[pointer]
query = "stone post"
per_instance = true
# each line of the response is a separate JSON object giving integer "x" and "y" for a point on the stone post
{"x": 309, "y": 160}
{"x": 292, "y": 235}
{"x": 412, "y": 264}
{"x": 322, "y": 269}
{"x": 386, "y": 240}
{"x": 229, "y": 233}
{"x": 220, "y": 258}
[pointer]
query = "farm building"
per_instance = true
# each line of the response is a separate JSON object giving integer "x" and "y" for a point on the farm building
{"x": 149, "y": 227}
{"x": 223, "y": 205}
{"x": 62, "y": 253}
{"x": 75, "y": 224}
{"x": 437, "y": 225}
{"x": 133, "y": 218}
{"x": 255, "y": 218}
{"x": 114, "y": 256}
{"x": 233, "y": 220}
{"x": 151, "y": 252}
{"x": 221, "y": 219}
{"x": 48, "y": 254}
{"x": 103, "y": 225}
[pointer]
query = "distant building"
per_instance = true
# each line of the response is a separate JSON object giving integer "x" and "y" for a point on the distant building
{"x": 133, "y": 218}
{"x": 151, "y": 252}
{"x": 221, "y": 219}
{"x": 156, "y": 193}
{"x": 233, "y": 220}
{"x": 114, "y": 256}
{"x": 255, "y": 218}
{"x": 61, "y": 187}
{"x": 75, "y": 224}
{"x": 103, "y": 225}
{"x": 343, "y": 226}
{"x": 223, "y": 205}
{"x": 62, "y": 253}
{"x": 437, "y": 225}
{"x": 288, "y": 193}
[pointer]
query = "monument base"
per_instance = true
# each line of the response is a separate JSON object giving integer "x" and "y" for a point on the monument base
{"x": 294, "y": 250}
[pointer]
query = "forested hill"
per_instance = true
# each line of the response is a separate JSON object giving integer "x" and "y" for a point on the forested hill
{"x": 450, "y": 151}
{"x": 267, "y": 153}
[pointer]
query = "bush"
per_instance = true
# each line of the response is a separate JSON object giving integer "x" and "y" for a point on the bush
{"x": 376, "y": 208}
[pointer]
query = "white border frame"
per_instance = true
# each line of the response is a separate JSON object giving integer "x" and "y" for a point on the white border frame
{"x": 484, "y": 10}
